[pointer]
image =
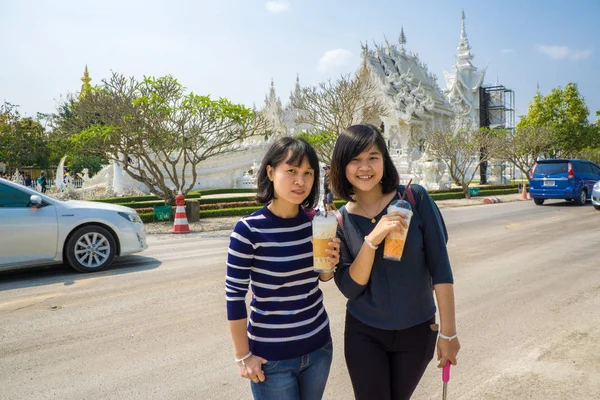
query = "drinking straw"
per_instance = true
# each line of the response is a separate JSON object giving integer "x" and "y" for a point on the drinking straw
{"x": 407, "y": 185}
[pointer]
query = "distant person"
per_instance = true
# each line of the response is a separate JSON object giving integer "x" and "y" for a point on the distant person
{"x": 42, "y": 182}
{"x": 328, "y": 194}
{"x": 284, "y": 346}
{"x": 28, "y": 181}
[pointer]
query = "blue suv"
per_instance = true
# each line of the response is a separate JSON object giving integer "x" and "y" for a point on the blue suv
{"x": 563, "y": 179}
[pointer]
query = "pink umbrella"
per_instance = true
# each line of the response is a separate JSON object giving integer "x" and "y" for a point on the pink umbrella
{"x": 445, "y": 379}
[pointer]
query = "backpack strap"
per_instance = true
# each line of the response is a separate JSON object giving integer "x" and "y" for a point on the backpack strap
{"x": 413, "y": 203}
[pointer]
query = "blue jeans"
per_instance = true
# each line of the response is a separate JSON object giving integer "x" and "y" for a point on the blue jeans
{"x": 301, "y": 378}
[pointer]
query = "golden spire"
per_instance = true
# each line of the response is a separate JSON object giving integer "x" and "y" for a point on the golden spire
{"x": 86, "y": 82}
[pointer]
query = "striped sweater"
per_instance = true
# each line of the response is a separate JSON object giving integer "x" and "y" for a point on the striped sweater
{"x": 273, "y": 256}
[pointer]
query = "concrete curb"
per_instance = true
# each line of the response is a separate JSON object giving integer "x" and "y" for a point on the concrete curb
{"x": 476, "y": 201}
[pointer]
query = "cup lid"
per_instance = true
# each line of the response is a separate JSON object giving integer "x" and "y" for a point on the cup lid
{"x": 400, "y": 204}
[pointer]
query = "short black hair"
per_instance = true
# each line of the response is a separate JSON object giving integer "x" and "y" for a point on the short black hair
{"x": 298, "y": 149}
{"x": 350, "y": 143}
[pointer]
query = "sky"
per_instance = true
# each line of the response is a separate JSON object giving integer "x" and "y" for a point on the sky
{"x": 233, "y": 48}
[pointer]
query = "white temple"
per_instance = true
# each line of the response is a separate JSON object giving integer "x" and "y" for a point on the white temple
{"x": 414, "y": 104}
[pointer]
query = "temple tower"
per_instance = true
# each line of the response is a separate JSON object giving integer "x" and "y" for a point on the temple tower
{"x": 85, "y": 87}
{"x": 464, "y": 81}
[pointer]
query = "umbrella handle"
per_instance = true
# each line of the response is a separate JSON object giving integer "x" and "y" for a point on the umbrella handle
{"x": 446, "y": 372}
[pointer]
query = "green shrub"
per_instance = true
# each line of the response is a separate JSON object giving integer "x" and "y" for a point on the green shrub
{"x": 130, "y": 199}
{"x": 482, "y": 187}
{"x": 233, "y": 204}
{"x": 225, "y": 199}
{"x": 201, "y": 201}
{"x": 229, "y": 212}
{"x": 147, "y": 217}
{"x": 498, "y": 192}
{"x": 142, "y": 204}
{"x": 205, "y": 192}
{"x": 482, "y": 193}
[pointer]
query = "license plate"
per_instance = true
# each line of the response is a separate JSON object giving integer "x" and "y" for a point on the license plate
{"x": 548, "y": 183}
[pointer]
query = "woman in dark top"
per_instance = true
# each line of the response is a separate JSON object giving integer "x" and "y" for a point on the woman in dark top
{"x": 42, "y": 182}
{"x": 390, "y": 332}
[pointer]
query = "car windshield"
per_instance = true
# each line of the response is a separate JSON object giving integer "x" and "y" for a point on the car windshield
{"x": 551, "y": 168}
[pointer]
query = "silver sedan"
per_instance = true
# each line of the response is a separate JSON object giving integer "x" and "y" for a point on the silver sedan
{"x": 36, "y": 229}
{"x": 596, "y": 195}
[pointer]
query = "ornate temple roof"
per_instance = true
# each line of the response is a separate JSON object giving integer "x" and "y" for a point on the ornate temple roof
{"x": 284, "y": 118}
{"x": 411, "y": 91}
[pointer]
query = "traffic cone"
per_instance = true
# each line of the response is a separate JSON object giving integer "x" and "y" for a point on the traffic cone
{"x": 524, "y": 193}
{"x": 181, "y": 223}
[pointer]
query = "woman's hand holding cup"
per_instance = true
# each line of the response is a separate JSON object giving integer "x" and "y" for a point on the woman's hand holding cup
{"x": 387, "y": 223}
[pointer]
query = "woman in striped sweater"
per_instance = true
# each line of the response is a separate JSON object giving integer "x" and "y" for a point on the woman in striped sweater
{"x": 285, "y": 348}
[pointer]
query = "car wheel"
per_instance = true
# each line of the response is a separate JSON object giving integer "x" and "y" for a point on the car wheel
{"x": 597, "y": 207}
{"x": 582, "y": 197}
{"x": 539, "y": 202}
{"x": 90, "y": 249}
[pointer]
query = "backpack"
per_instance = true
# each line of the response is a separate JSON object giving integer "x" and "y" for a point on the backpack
{"x": 40, "y": 180}
{"x": 413, "y": 203}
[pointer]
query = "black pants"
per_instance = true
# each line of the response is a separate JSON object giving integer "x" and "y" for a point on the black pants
{"x": 385, "y": 364}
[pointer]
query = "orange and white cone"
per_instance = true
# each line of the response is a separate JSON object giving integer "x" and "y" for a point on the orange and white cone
{"x": 181, "y": 223}
{"x": 524, "y": 193}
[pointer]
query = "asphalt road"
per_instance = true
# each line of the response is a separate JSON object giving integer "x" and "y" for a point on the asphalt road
{"x": 154, "y": 326}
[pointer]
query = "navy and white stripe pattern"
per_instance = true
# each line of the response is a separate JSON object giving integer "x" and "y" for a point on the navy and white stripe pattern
{"x": 273, "y": 256}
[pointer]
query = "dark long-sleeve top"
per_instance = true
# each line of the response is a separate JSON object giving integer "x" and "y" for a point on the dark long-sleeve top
{"x": 274, "y": 257}
{"x": 399, "y": 293}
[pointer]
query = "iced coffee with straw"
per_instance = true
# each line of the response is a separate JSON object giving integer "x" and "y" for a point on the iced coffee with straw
{"x": 395, "y": 240}
{"x": 324, "y": 228}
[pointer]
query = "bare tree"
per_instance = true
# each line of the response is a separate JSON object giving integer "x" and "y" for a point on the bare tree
{"x": 457, "y": 143}
{"x": 156, "y": 130}
{"x": 524, "y": 146}
{"x": 332, "y": 106}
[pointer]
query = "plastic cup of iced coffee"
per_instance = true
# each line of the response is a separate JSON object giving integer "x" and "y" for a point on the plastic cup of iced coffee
{"x": 324, "y": 228}
{"x": 394, "y": 241}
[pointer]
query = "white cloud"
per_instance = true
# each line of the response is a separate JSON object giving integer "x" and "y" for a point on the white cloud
{"x": 581, "y": 54}
{"x": 277, "y": 6}
{"x": 563, "y": 52}
{"x": 334, "y": 59}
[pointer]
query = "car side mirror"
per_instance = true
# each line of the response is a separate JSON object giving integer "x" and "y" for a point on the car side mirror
{"x": 35, "y": 200}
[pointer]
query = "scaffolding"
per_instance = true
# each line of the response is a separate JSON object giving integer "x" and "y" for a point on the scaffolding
{"x": 496, "y": 111}
{"x": 496, "y": 107}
